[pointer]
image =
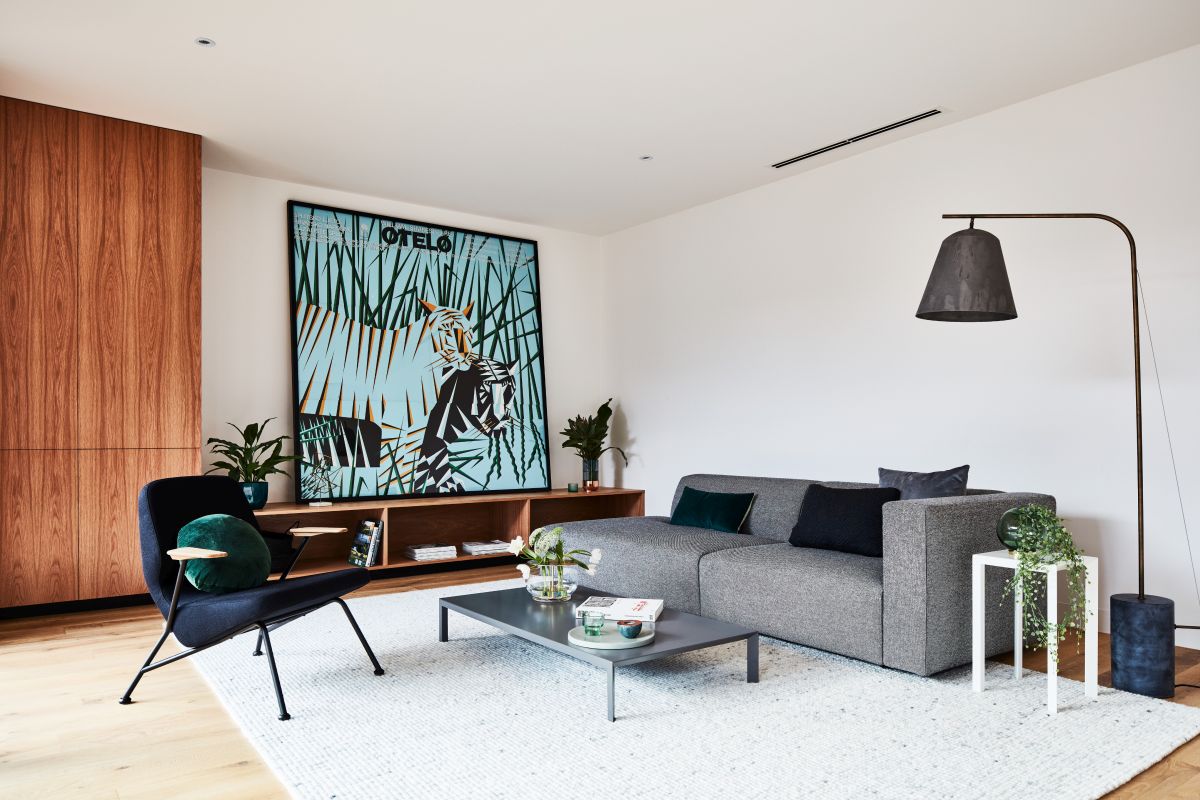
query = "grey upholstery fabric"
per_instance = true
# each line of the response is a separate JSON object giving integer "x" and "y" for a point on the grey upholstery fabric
{"x": 927, "y": 549}
{"x": 776, "y": 503}
{"x": 914, "y": 615}
{"x": 649, "y": 557}
{"x": 820, "y": 598}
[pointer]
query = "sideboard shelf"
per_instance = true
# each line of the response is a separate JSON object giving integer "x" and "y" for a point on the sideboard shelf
{"x": 443, "y": 518}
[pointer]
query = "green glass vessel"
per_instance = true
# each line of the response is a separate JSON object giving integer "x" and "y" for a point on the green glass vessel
{"x": 1008, "y": 530}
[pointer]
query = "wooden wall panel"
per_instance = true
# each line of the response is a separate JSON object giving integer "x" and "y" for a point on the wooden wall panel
{"x": 139, "y": 264}
{"x": 38, "y": 276}
{"x": 110, "y": 562}
{"x": 37, "y": 526}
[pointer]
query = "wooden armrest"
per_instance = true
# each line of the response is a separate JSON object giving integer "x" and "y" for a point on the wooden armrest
{"x": 314, "y": 531}
{"x": 188, "y": 553}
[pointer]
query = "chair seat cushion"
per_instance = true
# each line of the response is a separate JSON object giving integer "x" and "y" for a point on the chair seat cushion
{"x": 248, "y": 563}
{"x": 203, "y": 617}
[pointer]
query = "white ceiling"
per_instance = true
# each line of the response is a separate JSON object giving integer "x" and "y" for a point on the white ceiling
{"x": 537, "y": 111}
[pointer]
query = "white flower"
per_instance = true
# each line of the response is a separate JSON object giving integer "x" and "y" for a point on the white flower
{"x": 516, "y": 546}
{"x": 524, "y": 570}
{"x": 595, "y": 557}
{"x": 543, "y": 541}
{"x": 591, "y": 570}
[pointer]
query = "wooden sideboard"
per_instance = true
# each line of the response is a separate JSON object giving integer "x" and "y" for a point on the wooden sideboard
{"x": 99, "y": 343}
{"x": 443, "y": 518}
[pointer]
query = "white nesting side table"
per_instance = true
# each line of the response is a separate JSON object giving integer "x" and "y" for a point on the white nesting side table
{"x": 1002, "y": 559}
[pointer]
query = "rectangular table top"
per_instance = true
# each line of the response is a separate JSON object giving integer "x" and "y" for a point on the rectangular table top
{"x": 514, "y": 611}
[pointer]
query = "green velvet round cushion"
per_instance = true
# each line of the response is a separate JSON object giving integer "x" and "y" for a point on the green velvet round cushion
{"x": 247, "y": 565}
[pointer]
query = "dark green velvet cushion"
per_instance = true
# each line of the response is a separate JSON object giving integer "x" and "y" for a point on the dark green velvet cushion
{"x": 718, "y": 511}
{"x": 247, "y": 565}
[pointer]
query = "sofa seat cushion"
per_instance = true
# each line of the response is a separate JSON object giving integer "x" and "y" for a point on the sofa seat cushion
{"x": 203, "y": 617}
{"x": 650, "y": 557}
{"x": 819, "y": 598}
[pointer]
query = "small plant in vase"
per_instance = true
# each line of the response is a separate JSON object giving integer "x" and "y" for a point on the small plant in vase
{"x": 251, "y": 460}
{"x": 586, "y": 435}
{"x": 547, "y": 555}
{"x": 1037, "y": 537}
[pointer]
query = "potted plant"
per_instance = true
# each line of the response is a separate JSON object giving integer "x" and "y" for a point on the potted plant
{"x": 547, "y": 554}
{"x": 1037, "y": 537}
{"x": 251, "y": 460}
{"x": 586, "y": 435}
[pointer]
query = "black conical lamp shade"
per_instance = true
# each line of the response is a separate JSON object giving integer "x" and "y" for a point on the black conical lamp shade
{"x": 969, "y": 282}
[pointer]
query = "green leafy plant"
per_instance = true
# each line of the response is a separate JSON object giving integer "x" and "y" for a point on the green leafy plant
{"x": 1042, "y": 539}
{"x": 252, "y": 459}
{"x": 586, "y": 435}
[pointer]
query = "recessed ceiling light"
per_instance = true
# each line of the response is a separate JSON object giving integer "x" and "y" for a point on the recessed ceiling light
{"x": 204, "y": 41}
{"x": 645, "y": 158}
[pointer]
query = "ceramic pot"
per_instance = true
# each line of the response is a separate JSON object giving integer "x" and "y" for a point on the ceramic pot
{"x": 256, "y": 494}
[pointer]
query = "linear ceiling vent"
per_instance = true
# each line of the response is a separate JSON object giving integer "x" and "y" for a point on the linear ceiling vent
{"x": 859, "y": 138}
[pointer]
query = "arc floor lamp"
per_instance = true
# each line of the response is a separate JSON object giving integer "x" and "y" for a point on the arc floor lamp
{"x": 969, "y": 283}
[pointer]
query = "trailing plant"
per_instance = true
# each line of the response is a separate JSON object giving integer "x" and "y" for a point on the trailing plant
{"x": 252, "y": 459}
{"x": 586, "y": 435}
{"x": 1042, "y": 540}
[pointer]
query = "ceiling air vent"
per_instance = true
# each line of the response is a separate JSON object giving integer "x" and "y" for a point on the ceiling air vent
{"x": 858, "y": 138}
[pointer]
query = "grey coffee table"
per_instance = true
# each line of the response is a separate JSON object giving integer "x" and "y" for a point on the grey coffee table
{"x": 514, "y": 611}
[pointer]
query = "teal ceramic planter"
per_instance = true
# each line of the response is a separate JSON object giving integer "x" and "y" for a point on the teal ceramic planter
{"x": 256, "y": 494}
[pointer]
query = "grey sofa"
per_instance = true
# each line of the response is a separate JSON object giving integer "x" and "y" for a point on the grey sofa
{"x": 910, "y": 609}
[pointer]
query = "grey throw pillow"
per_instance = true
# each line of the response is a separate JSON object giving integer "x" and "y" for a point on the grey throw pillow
{"x": 923, "y": 485}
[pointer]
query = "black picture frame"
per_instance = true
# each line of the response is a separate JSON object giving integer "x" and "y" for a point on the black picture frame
{"x": 296, "y": 400}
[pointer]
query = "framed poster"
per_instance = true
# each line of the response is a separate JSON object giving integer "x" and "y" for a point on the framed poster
{"x": 416, "y": 358}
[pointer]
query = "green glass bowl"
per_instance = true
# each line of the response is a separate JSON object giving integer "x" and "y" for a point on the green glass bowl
{"x": 1007, "y": 530}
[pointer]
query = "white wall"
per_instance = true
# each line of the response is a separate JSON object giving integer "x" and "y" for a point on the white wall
{"x": 246, "y": 351}
{"x": 772, "y": 332}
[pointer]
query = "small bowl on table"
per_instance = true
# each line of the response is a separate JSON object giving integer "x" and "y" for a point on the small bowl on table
{"x": 629, "y": 628}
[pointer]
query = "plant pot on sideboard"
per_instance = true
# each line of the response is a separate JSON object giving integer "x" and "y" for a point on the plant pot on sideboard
{"x": 256, "y": 494}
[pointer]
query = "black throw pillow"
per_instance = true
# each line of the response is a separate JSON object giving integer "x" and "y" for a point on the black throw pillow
{"x": 718, "y": 511}
{"x": 924, "y": 485}
{"x": 846, "y": 520}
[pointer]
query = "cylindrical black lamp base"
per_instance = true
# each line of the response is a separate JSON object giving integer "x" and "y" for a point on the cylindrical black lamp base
{"x": 1143, "y": 644}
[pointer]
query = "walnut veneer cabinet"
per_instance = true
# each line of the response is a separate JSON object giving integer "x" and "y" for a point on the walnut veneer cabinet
{"x": 99, "y": 343}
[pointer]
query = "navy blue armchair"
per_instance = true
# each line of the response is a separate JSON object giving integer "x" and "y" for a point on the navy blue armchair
{"x": 200, "y": 620}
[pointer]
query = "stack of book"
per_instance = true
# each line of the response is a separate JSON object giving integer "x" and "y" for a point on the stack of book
{"x": 622, "y": 608}
{"x": 430, "y": 552}
{"x": 365, "y": 548}
{"x": 485, "y": 548}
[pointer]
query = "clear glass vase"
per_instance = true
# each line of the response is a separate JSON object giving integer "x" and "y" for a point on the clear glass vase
{"x": 551, "y": 583}
{"x": 591, "y": 474}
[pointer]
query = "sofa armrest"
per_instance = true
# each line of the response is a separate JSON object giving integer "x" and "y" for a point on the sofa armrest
{"x": 927, "y": 549}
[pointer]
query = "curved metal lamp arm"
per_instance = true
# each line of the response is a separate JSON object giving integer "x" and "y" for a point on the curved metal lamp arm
{"x": 1137, "y": 359}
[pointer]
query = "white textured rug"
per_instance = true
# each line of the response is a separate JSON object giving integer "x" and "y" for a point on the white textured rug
{"x": 489, "y": 716}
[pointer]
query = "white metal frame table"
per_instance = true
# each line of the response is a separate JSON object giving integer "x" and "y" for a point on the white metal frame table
{"x": 1005, "y": 560}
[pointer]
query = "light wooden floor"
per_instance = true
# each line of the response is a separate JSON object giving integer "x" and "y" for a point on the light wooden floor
{"x": 62, "y": 734}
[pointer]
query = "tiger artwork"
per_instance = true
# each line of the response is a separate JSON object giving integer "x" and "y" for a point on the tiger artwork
{"x": 413, "y": 348}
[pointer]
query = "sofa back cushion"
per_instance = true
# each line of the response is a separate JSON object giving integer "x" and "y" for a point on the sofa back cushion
{"x": 776, "y": 504}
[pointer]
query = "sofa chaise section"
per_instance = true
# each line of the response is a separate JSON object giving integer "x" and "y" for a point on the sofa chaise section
{"x": 649, "y": 557}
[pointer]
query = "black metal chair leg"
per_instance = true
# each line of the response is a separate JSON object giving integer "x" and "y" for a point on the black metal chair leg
{"x": 125, "y": 698}
{"x": 361, "y": 638}
{"x": 266, "y": 637}
{"x": 258, "y": 646}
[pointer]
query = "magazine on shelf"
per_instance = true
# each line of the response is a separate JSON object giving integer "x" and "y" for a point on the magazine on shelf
{"x": 366, "y": 545}
{"x": 430, "y": 552}
{"x": 622, "y": 608}
{"x": 482, "y": 548}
